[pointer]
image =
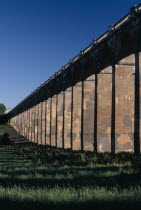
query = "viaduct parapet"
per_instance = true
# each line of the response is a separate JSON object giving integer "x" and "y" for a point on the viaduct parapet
{"x": 92, "y": 103}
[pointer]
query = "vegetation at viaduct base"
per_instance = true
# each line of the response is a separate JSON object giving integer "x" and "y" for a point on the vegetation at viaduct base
{"x": 40, "y": 177}
{"x": 2, "y": 109}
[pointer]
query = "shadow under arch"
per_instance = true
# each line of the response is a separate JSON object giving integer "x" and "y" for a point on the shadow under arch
{"x": 105, "y": 58}
{"x": 137, "y": 115}
{"x": 89, "y": 65}
{"x": 124, "y": 47}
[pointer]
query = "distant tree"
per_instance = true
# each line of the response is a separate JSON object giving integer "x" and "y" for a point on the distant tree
{"x": 2, "y": 109}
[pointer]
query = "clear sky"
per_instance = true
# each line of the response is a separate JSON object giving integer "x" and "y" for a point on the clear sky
{"x": 38, "y": 37}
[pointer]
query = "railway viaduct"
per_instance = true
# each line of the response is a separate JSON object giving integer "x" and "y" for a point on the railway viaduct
{"x": 93, "y": 102}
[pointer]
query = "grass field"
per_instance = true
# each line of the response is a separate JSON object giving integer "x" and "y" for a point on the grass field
{"x": 28, "y": 182}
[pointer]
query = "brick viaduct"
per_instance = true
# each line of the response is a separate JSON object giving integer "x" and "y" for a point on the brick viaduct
{"x": 92, "y": 103}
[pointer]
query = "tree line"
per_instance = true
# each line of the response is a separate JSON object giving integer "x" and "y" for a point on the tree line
{"x": 2, "y": 109}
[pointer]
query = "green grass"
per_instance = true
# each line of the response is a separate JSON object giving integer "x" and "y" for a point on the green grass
{"x": 27, "y": 181}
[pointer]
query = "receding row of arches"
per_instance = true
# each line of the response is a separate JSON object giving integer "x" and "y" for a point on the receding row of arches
{"x": 101, "y": 110}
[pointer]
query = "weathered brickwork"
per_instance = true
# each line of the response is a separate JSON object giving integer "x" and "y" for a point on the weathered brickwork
{"x": 48, "y": 120}
{"x": 33, "y": 124}
{"x": 26, "y": 123}
{"x": 39, "y": 123}
{"x": 124, "y": 119}
{"x": 77, "y": 111}
{"x": 94, "y": 102}
{"x": 60, "y": 120}
{"x": 88, "y": 113}
{"x": 104, "y": 110}
{"x": 29, "y": 124}
{"x": 67, "y": 118}
{"x": 36, "y": 124}
{"x": 44, "y": 123}
{"x": 53, "y": 121}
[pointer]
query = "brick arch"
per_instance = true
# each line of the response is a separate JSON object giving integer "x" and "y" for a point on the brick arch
{"x": 140, "y": 45}
{"x": 105, "y": 57}
{"x": 77, "y": 72}
{"x": 138, "y": 40}
{"x": 89, "y": 65}
{"x": 67, "y": 78}
{"x": 124, "y": 45}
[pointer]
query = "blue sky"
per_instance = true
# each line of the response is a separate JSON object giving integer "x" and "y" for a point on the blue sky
{"x": 38, "y": 37}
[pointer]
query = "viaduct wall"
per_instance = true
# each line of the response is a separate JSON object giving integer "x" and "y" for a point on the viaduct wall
{"x": 92, "y": 103}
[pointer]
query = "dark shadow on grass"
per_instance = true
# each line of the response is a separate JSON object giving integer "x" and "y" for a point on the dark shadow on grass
{"x": 122, "y": 181}
{"x": 96, "y": 205}
{"x": 81, "y": 176}
{"x": 13, "y": 134}
{"x": 58, "y": 171}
